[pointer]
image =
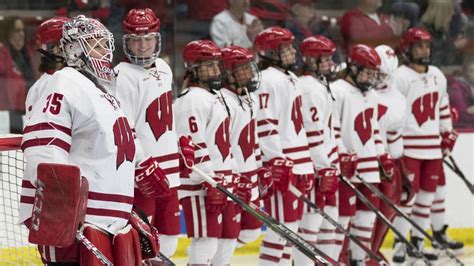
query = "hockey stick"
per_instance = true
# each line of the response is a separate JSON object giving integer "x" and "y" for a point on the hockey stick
{"x": 415, "y": 225}
{"x": 93, "y": 249}
{"x": 382, "y": 217}
{"x": 165, "y": 259}
{"x": 306, "y": 248}
{"x": 454, "y": 167}
{"x": 302, "y": 197}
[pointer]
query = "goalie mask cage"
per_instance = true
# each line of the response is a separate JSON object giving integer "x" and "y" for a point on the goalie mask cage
{"x": 14, "y": 246}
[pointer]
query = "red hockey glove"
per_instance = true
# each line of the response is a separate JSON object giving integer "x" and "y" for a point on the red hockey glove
{"x": 186, "y": 155}
{"x": 149, "y": 239}
{"x": 215, "y": 199}
{"x": 348, "y": 164}
{"x": 454, "y": 114}
{"x": 387, "y": 165}
{"x": 266, "y": 187}
{"x": 242, "y": 187}
{"x": 305, "y": 183}
{"x": 328, "y": 180}
{"x": 448, "y": 139}
{"x": 281, "y": 173}
{"x": 151, "y": 179}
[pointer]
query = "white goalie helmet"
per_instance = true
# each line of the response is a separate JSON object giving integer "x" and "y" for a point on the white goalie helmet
{"x": 389, "y": 61}
{"x": 88, "y": 45}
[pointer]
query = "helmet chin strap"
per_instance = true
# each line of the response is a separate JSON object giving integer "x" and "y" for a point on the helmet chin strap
{"x": 278, "y": 63}
{"x": 362, "y": 86}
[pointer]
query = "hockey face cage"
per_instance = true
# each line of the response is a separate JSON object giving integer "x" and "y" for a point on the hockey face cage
{"x": 88, "y": 45}
{"x": 247, "y": 76}
{"x": 144, "y": 60}
{"x": 208, "y": 72}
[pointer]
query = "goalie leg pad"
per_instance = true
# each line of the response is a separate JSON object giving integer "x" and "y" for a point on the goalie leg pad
{"x": 59, "y": 206}
{"x": 126, "y": 247}
{"x": 101, "y": 240}
{"x": 59, "y": 255}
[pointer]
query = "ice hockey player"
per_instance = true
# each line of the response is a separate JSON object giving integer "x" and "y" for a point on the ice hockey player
{"x": 242, "y": 79}
{"x": 391, "y": 119}
{"x": 211, "y": 221}
{"x": 427, "y": 132}
{"x": 317, "y": 110}
{"x": 282, "y": 138}
{"x": 144, "y": 89}
{"x": 48, "y": 37}
{"x": 356, "y": 105}
{"x": 77, "y": 122}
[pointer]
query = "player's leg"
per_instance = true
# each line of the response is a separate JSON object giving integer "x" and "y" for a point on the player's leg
{"x": 347, "y": 209}
{"x": 438, "y": 220}
{"x": 203, "y": 227}
{"x": 230, "y": 231}
{"x": 363, "y": 223}
{"x": 429, "y": 176}
{"x": 284, "y": 209}
{"x": 168, "y": 221}
{"x": 326, "y": 239}
{"x": 250, "y": 227}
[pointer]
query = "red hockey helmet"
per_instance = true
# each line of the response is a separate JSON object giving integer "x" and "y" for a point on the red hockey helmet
{"x": 235, "y": 55}
{"x": 412, "y": 36}
{"x": 363, "y": 56}
{"x": 201, "y": 50}
{"x": 50, "y": 32}
{"x": 272, "y": 38}
{"x": 317, "y": 46}
{"x": 141, "y": 21}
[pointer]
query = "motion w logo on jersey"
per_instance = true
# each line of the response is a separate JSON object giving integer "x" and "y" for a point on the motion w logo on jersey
{"x": 381, "y": 110}
{"x": 123, "y": 138}
{"x": 363, "y": 125}
{"x": 423, "y": 108}
{"x": 296, "y": 116}
{"x": 159, "y": 114}
{"x": 247, "y": 139}
{"x": 223, "y": 139}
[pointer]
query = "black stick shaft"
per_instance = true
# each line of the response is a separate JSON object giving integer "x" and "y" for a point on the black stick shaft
{"x": 454, "y": 166}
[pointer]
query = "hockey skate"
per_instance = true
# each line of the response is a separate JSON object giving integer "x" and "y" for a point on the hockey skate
{"x": 441, "y": 237}
{"x": 418, "y": 242}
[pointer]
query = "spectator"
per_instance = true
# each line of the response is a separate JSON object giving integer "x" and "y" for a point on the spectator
{"x": 461, "y": 94}
{"x": 16, "y": 71}
{"x": 442, "y": 19}
{"x": 303, "y": 21}
{"x": 403, "y": 15}
{"x": 235, "y": 26}
{"x": 364, "y": 25}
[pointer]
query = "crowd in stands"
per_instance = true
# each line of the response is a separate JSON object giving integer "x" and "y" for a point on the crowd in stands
{"x": 236, "y": 22}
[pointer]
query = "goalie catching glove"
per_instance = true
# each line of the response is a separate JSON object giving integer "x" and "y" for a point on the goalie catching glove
{"x": 151, "y": 179}
{"x": 148, "y": 235}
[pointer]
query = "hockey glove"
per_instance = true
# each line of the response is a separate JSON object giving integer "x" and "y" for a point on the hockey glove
{"x": 305, "y": 183}
{"x": 266, "y": 187}
{"x": 448, "y": 139}
{"x": 387, "y": 165}
{"x": 281, "y": 173}
{"x": 242, "y": 187}
{"x": 215, "y": 199}
{"x": 348, "y": 164}
{"x": 186, "y": 155}
{"x": 328, "y": 180}
{"x": 148, "y": 235}
{"x": 151, "y": 179}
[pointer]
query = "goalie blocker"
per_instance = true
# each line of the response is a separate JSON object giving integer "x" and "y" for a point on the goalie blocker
{"x": 59, "y": 211}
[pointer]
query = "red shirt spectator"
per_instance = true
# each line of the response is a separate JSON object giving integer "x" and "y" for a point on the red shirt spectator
{"x": 364, "y": 25}
{"x": 13, "y": 87}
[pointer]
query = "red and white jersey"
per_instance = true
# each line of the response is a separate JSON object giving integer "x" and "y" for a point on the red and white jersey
{"x": 280, "y": 121}
{"x": 427, "y": 108}
{"x": 391, "y": 117}
{"x": 74, "y": 122}
{"x": 146, "y": 97}
{"x": 34, "y": 93}
{"x": 243, "y": 136}
{"x": 317, "y": 106}
{"x": 359, "y": 127}
{"x": 202, "y": 114}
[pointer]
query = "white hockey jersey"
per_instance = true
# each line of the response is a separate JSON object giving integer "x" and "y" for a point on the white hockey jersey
{"x": 391, "y": 117}
{"x": 280, "y": 122}
{"x": 146, "y": 97}
{"x": 243, "y": 136}
{"x": 427, "y": 108}
{"x": 74, "y": 122}
{"x": 203, "y": 115}
{"x": 34, "y": 93}
{"x": 317, "y": 110}
{"x": 359, "y": 127}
